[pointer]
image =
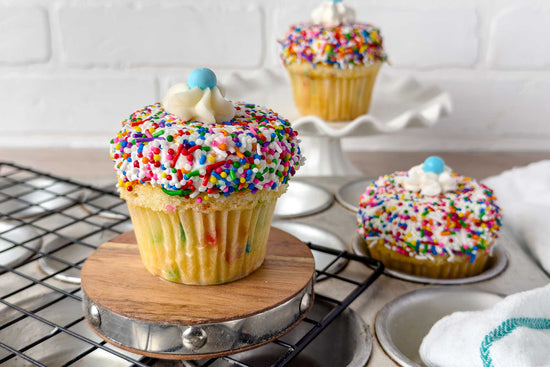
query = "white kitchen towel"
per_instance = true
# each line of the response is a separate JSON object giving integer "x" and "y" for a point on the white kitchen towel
{"x": 524, "y": 196}
{"x": 513, "y": 333}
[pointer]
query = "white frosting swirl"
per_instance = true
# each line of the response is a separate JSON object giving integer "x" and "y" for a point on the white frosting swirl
{"x": 430, "y": 183}
{"x": 331, "y": 14}
{"x": 205, "y": 105}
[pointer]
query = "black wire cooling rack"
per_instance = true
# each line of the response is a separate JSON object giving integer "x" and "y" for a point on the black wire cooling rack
{"x": 48, "y": 227}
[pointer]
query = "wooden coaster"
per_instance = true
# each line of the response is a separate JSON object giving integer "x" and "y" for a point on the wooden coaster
{"x": 121, "y": 298}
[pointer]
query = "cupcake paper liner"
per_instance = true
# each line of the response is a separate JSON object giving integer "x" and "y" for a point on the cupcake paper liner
{"x": 196, "y": 247}
{"x": 439, "y": 268}
{"x": 330, "y": 93}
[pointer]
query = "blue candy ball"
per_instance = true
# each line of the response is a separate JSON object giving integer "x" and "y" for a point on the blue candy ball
{"x": 336, "y": 1}
{"x": 434, "y": 164}
{"x": 202, "y": 78}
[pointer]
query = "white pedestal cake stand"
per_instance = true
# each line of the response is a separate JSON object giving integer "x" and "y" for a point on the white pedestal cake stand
{"x": 398, "y": 103}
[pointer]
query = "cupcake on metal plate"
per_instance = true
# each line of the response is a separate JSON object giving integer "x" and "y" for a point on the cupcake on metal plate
{"x": 430, "y": 221}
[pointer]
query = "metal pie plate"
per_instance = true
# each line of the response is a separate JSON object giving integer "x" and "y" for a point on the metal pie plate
{"x": 51, "y": 266}
{"x": 345, "y": 342}
{"x": 106, "y": 214}
{"x": 9, "y": 231}
{"x": 98, "y": 206}
{"x": 321, "y": 237}
{"x": 402, "y": 324}
{"x": 496, "y": 265}
{"x": 348, "y": 195}
{"x": 73, "y": 253}
{"x": 43, "y": 196}
{"x": 302, "y": 199}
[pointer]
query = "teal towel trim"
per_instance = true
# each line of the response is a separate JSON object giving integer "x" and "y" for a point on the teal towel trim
{"x": 506, "y": 328}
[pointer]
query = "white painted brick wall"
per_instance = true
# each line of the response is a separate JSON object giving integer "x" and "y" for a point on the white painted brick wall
{"x": 412, "y": 42}
{"x": 149, "y": 35}
{"x": 489, "y": 113}
{"x": 34, "y": 105}
{"x": 24, "y": 35}
{"x": 71, "y": 70}
{"x": 521, "y": 38}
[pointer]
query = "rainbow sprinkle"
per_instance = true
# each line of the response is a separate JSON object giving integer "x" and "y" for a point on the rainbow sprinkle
{"x": 462, "y": 221}
{"x": 342, "y": 46}
{"x": 256, "y": 150}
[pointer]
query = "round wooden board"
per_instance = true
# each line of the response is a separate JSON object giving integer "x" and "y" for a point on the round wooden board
{"x": 114, "y": 278}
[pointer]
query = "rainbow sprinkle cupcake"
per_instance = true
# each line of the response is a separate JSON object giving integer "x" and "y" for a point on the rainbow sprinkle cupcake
{"x": 429, "y": 222}
{"x": 333, "y": 63}
{"x": 201, "y": 176}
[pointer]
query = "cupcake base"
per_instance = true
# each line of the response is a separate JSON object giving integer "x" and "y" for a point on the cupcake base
{"x": 438, "y": 268}
{"x": 202, "y": 244}
{"x": 330, "y": 93}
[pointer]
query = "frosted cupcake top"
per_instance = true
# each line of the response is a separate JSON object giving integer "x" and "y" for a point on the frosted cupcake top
{"x": 333, "y": 13}
{"x": 205, "y": 145}
{"x": 333, "y": 39}
{"x": 199, "y": 99}
{"x": 429, "y": 213}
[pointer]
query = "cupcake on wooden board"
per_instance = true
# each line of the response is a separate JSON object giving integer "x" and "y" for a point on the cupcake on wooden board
{"x": 429, "y": 221}
{"x": 201, "y": 176}
{"x": 333, "y": 62}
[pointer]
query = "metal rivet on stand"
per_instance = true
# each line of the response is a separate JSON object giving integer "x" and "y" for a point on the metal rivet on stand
{"x": 304, "y": 304}
{"x": 194, "y": 338}
{"x": 95, "y": 318}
